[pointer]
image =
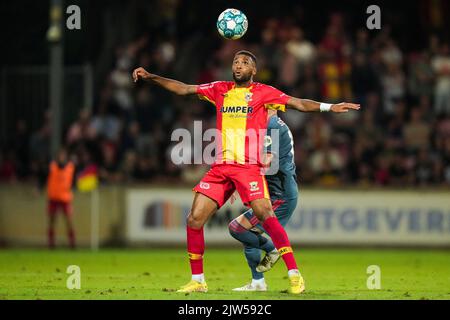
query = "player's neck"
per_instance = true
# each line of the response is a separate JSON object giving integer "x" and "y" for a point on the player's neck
{"x": 245, "y": 84}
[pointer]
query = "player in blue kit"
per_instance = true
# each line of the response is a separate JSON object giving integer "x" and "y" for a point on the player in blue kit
{"x": 283, "y": 191}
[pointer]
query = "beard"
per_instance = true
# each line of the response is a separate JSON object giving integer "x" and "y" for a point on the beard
{"x": 244, "y": 78}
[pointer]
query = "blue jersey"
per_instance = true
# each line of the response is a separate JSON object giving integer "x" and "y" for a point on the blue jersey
{"x": 282, "y": 183}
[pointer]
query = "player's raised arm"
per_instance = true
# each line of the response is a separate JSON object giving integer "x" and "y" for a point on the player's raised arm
{"x": 306, "y": 105}
{"x": 171, "y": 85}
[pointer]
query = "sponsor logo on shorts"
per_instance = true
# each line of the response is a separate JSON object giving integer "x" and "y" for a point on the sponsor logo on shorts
{"x": 204, "y": 185}
{"x": 254, "y": 186}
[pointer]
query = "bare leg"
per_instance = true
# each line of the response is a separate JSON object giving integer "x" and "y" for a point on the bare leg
{"x": 70, "y": 231}
{"x": 202, "y": 208}
{"x": 262, "y": 209}
{"x": 51, "y": 230}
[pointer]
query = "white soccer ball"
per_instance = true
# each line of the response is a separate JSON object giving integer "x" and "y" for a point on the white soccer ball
{"x": 232, "y": 24}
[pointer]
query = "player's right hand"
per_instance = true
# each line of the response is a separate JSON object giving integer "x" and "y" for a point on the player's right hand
{"x": 140, "y": 73}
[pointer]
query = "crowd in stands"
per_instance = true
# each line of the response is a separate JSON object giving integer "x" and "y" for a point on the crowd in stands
{"x": 399, "y": 138}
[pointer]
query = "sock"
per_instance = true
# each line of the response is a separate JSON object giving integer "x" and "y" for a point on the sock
{"x": 196, "y": 248}
{"x": 281, "y": 241}
{"x": 198, "y": 277}
{"x": 260, "y": 282}
{"x": 253, "y": 256}
{"x": 71, "y": 235}
{"x": 249, "y": 238}
{"x": 268, "y": 246}
{"x": 252, "y": 245}
{"x": 51, "y": 238}
{"x": 293, "y": 272}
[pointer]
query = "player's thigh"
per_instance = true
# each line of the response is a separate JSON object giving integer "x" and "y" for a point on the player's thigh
{"x": 250, "y": 184}
{"x": 215, "y": 186}
{"x": 244, "y": 221}
{"x": 203, "y": 207}
{"x": 52, "y": 207}
{"x": 68, "y": 213}
{"x": 67, "y": 208}
{"x": 283, "y": 209}
{"x": 262, "y": 209}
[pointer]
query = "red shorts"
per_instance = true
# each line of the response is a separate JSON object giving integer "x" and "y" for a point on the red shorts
{"x": 54, "y": 205}
{"x": 222, "y": 180}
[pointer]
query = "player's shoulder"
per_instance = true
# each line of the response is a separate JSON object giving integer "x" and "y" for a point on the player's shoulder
{"x": 264, "y": 87}
{"x": 216, "y": 85}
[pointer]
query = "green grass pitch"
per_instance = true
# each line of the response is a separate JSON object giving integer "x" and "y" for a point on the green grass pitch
{"x": 156, "y": 273}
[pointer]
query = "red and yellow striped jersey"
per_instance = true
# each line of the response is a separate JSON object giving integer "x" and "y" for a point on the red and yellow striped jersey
{"x": 241, "y": 118}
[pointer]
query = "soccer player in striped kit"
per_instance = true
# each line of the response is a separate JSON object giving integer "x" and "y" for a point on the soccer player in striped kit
{"x": 242, "y": 109}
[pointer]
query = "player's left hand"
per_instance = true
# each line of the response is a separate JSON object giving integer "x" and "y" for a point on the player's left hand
{"x": 344, "y": 107}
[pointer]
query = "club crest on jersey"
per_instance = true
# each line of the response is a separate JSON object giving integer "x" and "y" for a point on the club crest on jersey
{"x": 254, "y": 186}
{"x": 248, "y": 96}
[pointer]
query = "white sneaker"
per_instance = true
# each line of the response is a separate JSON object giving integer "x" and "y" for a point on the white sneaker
{"x": 268, "y": 261}
{"x": 252, "y": 287}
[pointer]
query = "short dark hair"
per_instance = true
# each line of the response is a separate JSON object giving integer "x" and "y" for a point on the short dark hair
{"x": 247, "y": 53}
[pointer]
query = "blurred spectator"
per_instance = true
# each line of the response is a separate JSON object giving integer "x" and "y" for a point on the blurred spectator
{"x": 363, "y": 78}
{"x": 400, "y": 137}
{"x": 303, "y": 50}
{"x": 391, "y": 54}
{"x": 326, "y": 162}
{"x": 382, "y": 173}
{"x": 398, "y": 170}
{"x": 106, "y": 125}
{"x": 441, "y": 66}
{"x": 318, "y": 131}
{"x": 393, "y": 82}
{"x": 40, "y": 140}
{"x": 7, "y": 167}
{"x": 423, "y": 170}
{"x": 128, "y": 168}
{"x": 417, "y": 132}
{"x": 82, "y": 129}
{"x": 121, "y": 81}
{"x": 421, "y": 76}
{"x": 446, "y": 160}
{"x": 109, "y": 169}
{"x": 20, "y": 145}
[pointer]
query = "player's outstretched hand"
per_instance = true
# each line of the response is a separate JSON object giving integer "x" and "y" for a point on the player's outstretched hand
{"x": 140, "y": 73}
{"x": 344, "y": 107}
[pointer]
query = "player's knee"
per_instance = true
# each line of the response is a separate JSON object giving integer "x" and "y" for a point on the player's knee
{"x": 194, "y": 222}
{"x": 263, "y": 211}
{"x": 232, "y": 228}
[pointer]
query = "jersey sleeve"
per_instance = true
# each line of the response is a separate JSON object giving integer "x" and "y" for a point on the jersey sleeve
{"x": 275, "y": 99}
{"x": 208, "y": 91}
